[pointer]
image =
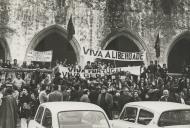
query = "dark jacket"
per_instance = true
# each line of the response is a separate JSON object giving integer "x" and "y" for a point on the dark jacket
{"x": 108, "y": 100}
{"x": 123, "y": 100}
{"x": 55, "y": 96}
{"x": 168, "y": 99}
{"x": 24, "y": 106}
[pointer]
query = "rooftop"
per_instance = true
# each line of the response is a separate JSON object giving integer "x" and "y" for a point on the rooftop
{"x": 70, "y": 106}
{"x": 159, "y": 106}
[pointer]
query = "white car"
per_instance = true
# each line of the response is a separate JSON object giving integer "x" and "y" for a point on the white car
{"x": 153, "y": 115}
{"x": 69, "y": 115}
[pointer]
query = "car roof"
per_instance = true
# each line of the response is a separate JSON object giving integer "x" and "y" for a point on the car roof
{"x": 56, "y": 107}
{"x": 158, "y": 106}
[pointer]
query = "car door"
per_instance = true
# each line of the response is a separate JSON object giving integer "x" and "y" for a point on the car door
{"x": 127, "y": 118}
{"x": 144, "y": 119}
{"x": 47, "y": 119}
{"x": 38, "y": 117}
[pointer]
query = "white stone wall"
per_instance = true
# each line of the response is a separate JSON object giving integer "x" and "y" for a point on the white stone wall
{"x": 23, "y": 19}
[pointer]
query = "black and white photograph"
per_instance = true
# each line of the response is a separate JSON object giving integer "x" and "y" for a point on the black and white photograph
{"x": 94, "y": 63}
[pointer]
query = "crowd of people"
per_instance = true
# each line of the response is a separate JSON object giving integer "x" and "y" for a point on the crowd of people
{"x": 22, "y": 92}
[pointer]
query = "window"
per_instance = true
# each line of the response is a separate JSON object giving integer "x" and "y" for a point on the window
{"x": 82, "y": 119}
{"x": 39, "y": 115}
{"x": 47, "y": 119}
{"x": 145, "y": 117}
{"x": 129, "y": 114}
{"x": 176, "y": 117}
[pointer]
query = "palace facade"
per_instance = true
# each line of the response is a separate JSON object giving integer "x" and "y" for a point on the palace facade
{"x": 122, "y": 25}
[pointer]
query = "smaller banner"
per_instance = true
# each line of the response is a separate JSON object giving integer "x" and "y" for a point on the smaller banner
{"x": 45, "y": 56}
{"x": 114, "y": 55}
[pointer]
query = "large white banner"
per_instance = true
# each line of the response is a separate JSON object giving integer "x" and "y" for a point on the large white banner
{"x": 45, "y": 56}
{"x": 114, "y": 55}
{"x": 65, "y": 71}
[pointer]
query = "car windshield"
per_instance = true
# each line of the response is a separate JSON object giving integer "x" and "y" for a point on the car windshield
{"x": 177, "y": 117}
{"x": 82, "y": 119}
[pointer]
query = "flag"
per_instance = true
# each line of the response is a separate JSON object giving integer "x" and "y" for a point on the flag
{"x": 70, "y": 29}
{"x": 157, "y": 46}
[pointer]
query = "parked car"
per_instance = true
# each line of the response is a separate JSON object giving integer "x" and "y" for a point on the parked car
{"x": 153, "y": 115}
{"x": 69, "y": 115}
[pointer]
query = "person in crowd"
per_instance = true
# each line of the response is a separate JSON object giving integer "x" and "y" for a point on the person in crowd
{"x": 93, "y": 96}
{"x": 182, "y": 84}
{"x": 116, "y": 96}
{"x": 181, "y": 97}
{"x": 24, "y": 106}
{"x": 143, "y": 71}
{"x": 7, "y": 64}
{"x": 153, "y": 92}
{"x": 15, "y": 64}
{"x": 125, "y": 97}
{"x": 93, "y": 65}
{"x": 15, "y": 93}
{"x": 24, "y": 65}
{"x": 55, "y": 95}
{"x": 36, "y": 76}
{"x": 88, "y": 66}
{"x": 164, "y": 72}
{"x": 43, "y": 95}
{"x": 136, "y": 96}
{"x": 46, "y": 80}
{"x": 31, "y": 66}
{"x": 1, "y": 63}
{"x": 151, "y": 71}
{"x": 85, "y": 96}
{"x": 65, "y": 93}
{"x": 57, "y": 80}
{"x": 43, "y": 66}
{"x": 75, "y": 93}
{"x": 2, "y": 90}
{"x": 8, "y": 110}
{"x": 105, "y": 101}
{"x": 18, "y": 82}
{"x": 34, "y": 103}
{"x": 166, "y": 97}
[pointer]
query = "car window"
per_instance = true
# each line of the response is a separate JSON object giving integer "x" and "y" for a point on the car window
{"x": 82, "y": 119}
{"x": 39, "y": 115}
{"x": 175, "y": 117}
{"x": 129, "y": 114}
{"x": 47, "y": 119}
{"x": 145, "y": 117}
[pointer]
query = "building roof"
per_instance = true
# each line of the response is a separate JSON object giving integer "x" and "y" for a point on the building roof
{"x": 158, "y": 106}
{"x": 56, "y": 107}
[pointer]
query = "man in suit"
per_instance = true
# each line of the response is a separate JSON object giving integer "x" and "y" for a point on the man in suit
{"x": 105, "y": 101}
{"x": 56, "y": 95}
{"x": 166, "y": 97}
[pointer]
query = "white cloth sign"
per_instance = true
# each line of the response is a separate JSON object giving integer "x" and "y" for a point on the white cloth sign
{"x": 65, "y": 71}
{"x": 114, "y": 55}
{"x": 45, "y": 56}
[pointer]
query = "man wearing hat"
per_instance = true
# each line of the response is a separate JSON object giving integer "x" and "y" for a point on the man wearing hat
{"x": 105, "y": 101}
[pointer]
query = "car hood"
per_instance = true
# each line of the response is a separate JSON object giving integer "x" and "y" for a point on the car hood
{"x": 122, "y": 124}
{"x": 178, "y": 126}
